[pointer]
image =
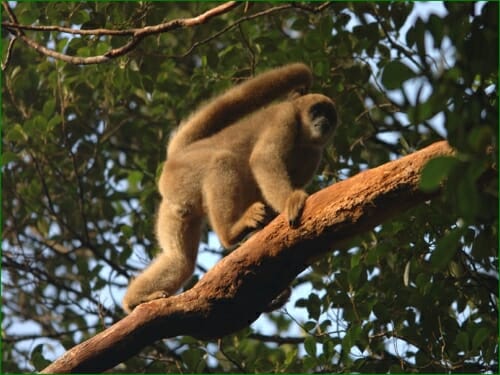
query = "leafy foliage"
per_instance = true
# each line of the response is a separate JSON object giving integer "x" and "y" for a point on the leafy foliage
{"x": 82, "y": 147}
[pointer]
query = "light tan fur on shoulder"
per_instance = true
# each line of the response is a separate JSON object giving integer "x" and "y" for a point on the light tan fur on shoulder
{"x": 234, "y": 160}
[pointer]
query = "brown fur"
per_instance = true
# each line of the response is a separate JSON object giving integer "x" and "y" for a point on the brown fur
{"x": 230, "y": 161}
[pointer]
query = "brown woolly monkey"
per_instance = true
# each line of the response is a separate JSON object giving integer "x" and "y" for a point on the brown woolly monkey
{"x": 229, "y": 161}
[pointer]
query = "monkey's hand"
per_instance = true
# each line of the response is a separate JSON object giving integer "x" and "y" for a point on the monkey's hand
{"x": 294, "y": 207}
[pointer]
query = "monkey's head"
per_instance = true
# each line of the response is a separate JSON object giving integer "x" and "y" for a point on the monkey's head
{"x": 318, "y": 117}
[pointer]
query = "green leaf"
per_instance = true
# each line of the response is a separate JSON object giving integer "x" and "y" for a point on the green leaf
{"x": 135, "y": 177}
{"x": 16, "y": 134}
{"x": 308, "y": 362}
{"x": 468, "y": 199}
{"x": 329, "y": 349}
{"x": 84, "y": 52}
{"x": 395, "y": 73}
{"x": 446, "y": 248}
{"x": 462, "y": 341}
{"x": 8, "y": 157}
{"x": 436, "y": 171}
{"x": 381, "y": 312}
{"x": 102, "y": 48}
{"x": 80, "y": 17}
{"x": 290, "y": 357}
{"x": 314, "y": 306}
{"x": 53, "y": 122}
{"x": 479, "y": 337}
{"x": 301, "y": 302}
{"x": 37, "y": 358}
{"x": 436, "y": 28}
{"x": 309, "y": 326}
{"x": 193, "y": 359}
{"x": 48, "y": 107}
{"x": 310, "y": 346}
{"x": 354, "y": 275}
{"x": 352, "y": 336}
{"x": 27, "y": 16}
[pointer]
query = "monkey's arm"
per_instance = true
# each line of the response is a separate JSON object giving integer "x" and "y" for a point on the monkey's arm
{"x": 240, "y": 101}
{"x": 269, "y": 164}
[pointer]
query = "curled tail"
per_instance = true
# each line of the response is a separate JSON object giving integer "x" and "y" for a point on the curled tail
{"x": 240, "y": 101}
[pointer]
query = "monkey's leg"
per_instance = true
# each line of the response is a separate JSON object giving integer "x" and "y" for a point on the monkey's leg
{"x": 179, "y": 235}
{"x": 231, "y": 200}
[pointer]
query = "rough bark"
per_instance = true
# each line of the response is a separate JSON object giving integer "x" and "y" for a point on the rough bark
{"x": 238, "y": 288}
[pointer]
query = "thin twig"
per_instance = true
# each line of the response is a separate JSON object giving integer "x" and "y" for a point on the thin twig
{"x": 234, "y": 24}
{"x": 9, "y": 53}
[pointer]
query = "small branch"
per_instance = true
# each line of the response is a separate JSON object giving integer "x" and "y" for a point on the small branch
{"x": 312, "y": 9}
{"x": 262, "y": 13}
{"x": 137, "y": 34}
{"x": 9, "y": 11}
{"x": 234, "y": 24}
{"x": 69, "y": 30}
{"x": 277, "y": 339}
{"x": 9, "y": 53}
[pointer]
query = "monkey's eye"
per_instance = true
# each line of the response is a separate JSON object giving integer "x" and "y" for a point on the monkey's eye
{"x": 314, "y": 112}
{"x": 322, "y": 110}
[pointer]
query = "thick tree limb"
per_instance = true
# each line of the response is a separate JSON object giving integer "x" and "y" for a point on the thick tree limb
{"x": 238, "y": 288}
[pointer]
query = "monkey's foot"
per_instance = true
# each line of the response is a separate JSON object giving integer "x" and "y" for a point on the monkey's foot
{"x": 155, "y": 295}
{"x": 256, "y": 216}
{"x": 129, "y": 306}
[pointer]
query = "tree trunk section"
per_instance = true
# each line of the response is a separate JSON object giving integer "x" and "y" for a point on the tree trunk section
{"x": 238, "y": 288}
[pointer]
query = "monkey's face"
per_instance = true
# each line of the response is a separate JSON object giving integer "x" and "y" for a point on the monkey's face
{"x": 319, "y": 118}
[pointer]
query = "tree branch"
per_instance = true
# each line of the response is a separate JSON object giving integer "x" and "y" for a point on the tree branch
{"x": 238, "y": 288}
{"x": 136, "y": 34}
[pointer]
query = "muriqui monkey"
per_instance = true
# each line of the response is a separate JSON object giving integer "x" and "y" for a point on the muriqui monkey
{"x": 230, "y": 160}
